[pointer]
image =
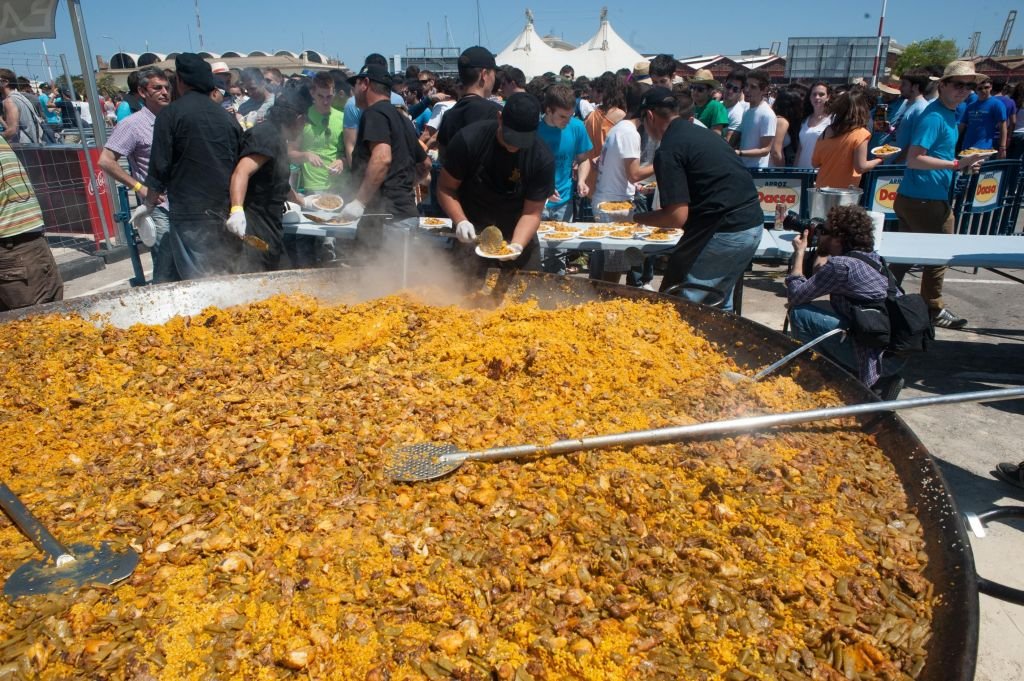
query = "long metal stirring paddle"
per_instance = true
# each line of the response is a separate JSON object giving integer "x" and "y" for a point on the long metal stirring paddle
{"x": 428, "y": 461}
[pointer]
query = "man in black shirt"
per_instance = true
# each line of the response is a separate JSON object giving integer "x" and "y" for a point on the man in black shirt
{"x": 704, "y": 188}
{"x": 386, "y": 159}
{"x": 195, "y": 147}
{"x": 500, "y": 173}
{"x": 260, "y": 183}
{"x": 476, "y": 74}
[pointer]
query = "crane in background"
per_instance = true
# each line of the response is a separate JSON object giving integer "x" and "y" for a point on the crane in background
{"x": 972, "y": 49}
{"x": 999, "y": 47}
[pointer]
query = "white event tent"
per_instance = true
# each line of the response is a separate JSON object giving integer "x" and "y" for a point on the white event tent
{"x": 605, "y": 51}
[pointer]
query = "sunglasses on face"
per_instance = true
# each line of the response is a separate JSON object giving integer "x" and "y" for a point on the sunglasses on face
{"x": 699, "y": 88}
{"x": 733, "y": 88}
{"x": 424, "y": 81}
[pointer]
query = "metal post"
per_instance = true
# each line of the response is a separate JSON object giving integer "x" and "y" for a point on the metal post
{"x": 85, "y": 149}
{"x": 878, "y": 51}
{"x": 88, "y": 71}
{"x": 85, "y": 60}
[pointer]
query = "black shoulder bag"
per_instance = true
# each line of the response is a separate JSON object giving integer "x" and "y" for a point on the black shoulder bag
{"x": 902, "y": 324}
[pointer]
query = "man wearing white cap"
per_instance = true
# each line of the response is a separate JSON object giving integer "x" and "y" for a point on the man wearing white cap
{"x": 922, "y": 202}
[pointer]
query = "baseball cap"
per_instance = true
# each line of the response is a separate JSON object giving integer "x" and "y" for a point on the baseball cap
{"x": 519, "y": 120}
{"x": 477, "y": 57}
{"x": 219, "y": 67}
{"x": 373, "y": 72}
{"x": 655, "y": 97}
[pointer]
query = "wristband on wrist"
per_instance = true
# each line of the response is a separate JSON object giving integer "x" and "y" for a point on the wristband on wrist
{"x": 137, "y": 186}
{"x": 956, "y": 164}
{"x": 236, "y": 209}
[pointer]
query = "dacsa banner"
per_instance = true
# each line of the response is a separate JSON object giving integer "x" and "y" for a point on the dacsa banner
{"x": 987, "y": 190}
{"x": 886, "y": 187}
{"x": 776, "y": 191}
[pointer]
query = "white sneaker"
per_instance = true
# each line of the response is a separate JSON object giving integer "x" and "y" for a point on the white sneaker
{"x": 647, "y": 287}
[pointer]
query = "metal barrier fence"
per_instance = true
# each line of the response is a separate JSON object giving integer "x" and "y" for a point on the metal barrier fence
{"x": 78, "y": 207}
{"x": 985, "y": 202}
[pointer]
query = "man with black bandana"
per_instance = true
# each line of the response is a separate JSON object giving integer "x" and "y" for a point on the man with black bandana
{"x": 706, "y": 190}
{"x": 500, "y": 173}
{"x": 195, "y": 147}
{"x": 386, "y": 159}
{"x": 259, "y": 184}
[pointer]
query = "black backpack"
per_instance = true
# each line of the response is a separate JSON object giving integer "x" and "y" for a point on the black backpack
{"x": 901, "y": 324}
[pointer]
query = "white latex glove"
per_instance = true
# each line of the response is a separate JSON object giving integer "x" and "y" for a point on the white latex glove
{"x": 307, "y": 202}
{"x": 517, "y": 251}
{"x": 465, "y": 232}
{"x": 353, "y": 211}
{"x": 236, "y": 223}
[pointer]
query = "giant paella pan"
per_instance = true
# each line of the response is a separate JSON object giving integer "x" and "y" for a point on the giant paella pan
{"x": 232, "y": 432}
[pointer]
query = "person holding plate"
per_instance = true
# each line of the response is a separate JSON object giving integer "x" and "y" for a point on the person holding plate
{"x": 922, "y": 201}
{"x": 498, "y": 172}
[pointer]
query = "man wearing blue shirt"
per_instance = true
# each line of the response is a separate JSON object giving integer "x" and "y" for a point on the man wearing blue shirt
{"x": 922, "y": 202}
{"x": 913, "y": 83}
{"x": 984, "y": 123}
{"x": 568, "y": 140}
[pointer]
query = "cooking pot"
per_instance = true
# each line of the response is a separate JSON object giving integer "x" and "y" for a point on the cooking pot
{"x": 824, "y": 198}
{"x": 952, "y": 649}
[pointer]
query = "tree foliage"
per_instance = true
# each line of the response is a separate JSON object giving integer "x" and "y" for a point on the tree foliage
{"x": 926, "y": 53}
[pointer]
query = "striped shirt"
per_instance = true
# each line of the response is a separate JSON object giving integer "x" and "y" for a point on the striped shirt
{"x": 845, "y": 280}
{"x": 19, "y": 208}
{"x": 133, "y": 139}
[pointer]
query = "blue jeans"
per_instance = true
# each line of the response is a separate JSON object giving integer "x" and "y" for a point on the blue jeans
{"x": 722, "y": 262}
{"x": 553, "y": 259}
{"x": 810, "y": 321}
{"x": 163, "y": 258}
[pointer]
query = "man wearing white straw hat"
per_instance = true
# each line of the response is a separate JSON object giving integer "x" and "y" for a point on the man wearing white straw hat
{"x": 922, "y": 202}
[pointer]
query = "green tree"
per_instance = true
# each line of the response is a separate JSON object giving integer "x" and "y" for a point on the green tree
{"x": 930, "y": 52}
{"x": 77, "y": 81}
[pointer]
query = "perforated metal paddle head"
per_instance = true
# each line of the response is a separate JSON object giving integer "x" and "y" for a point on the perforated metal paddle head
{"x": 420, "y": 462}
{"x": 100, "y": 565}
{"x": 490, "y": 240}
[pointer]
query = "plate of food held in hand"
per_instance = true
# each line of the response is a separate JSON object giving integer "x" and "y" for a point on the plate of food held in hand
{"x": 886, "y": 150}
{"x": 330, "y": 203}
{"x": 974, "y": 151}
{"x": 615, "y": 208}
{"x": 505, "y": 252}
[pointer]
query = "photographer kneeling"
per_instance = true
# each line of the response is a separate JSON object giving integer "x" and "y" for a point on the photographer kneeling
{"x": 846, "y": 280}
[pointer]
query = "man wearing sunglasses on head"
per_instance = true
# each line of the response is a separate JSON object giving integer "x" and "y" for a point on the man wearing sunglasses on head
{"x": 922, "y": 202}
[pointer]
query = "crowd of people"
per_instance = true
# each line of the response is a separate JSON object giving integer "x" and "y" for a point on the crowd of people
{"x": 214, "y": 157}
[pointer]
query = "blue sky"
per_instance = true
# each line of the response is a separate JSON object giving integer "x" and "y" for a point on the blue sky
{"x": 350, "y": 30}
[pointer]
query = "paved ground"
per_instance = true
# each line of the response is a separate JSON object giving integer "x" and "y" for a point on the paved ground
{"x": 967, "y": 440}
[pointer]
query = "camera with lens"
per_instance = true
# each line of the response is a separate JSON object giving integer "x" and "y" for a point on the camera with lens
{"x": 812, "y": 226}
{"x": 794, "y": 223}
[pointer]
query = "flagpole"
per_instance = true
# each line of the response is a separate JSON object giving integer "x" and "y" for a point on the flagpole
{"x": 878, "y": 52}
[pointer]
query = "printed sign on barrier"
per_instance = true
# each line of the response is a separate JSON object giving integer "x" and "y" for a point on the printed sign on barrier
{"x": 776, "y": 191}
{"x": 987, "y": 190}
{"x": 884, "y": 193}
